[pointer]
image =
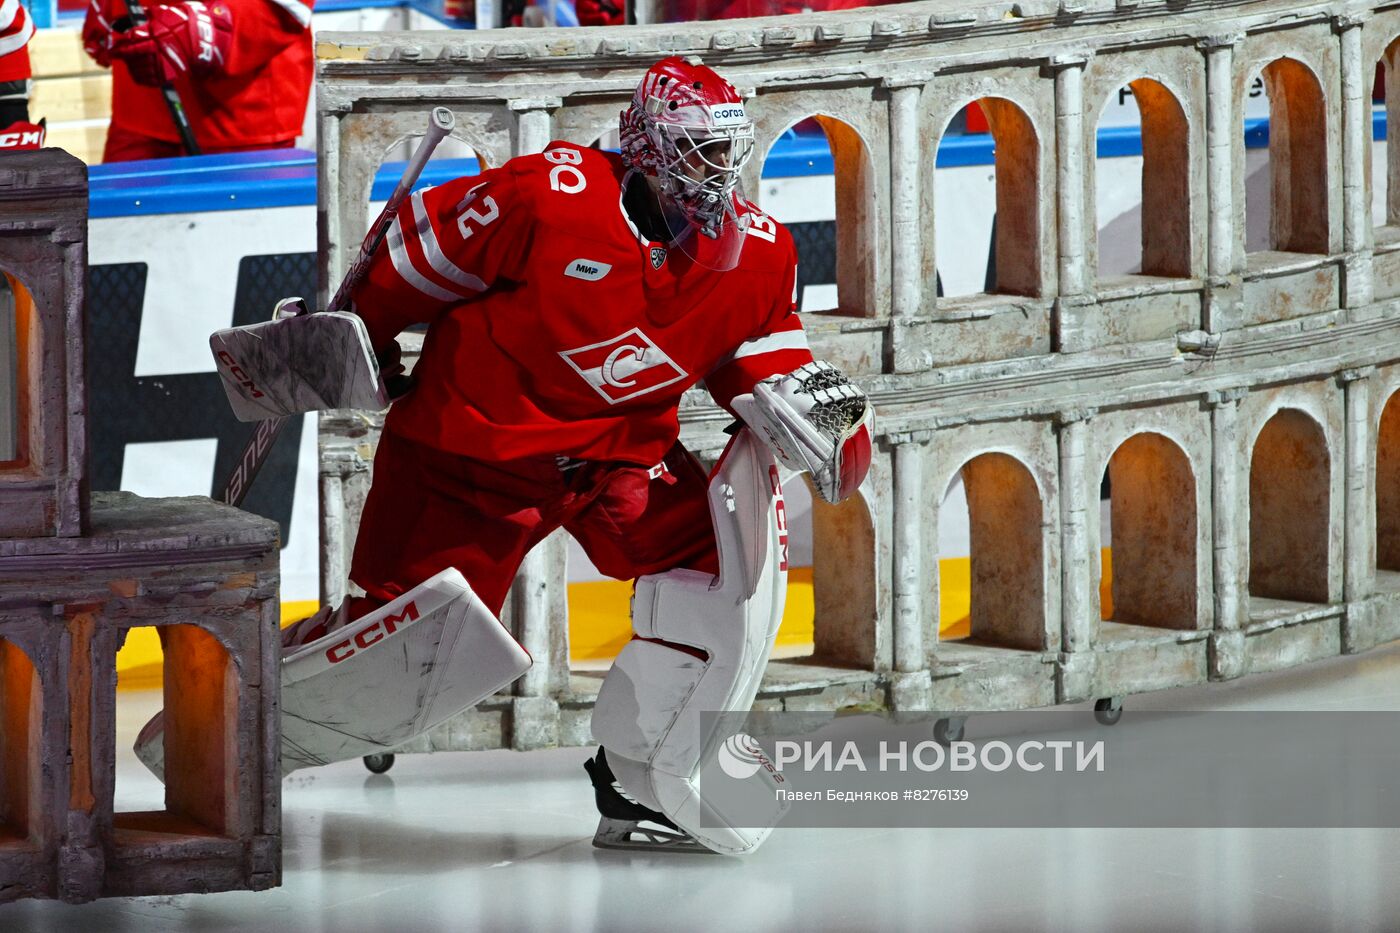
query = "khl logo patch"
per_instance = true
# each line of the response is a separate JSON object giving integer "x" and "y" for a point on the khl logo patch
{"x": 626, "y": 366}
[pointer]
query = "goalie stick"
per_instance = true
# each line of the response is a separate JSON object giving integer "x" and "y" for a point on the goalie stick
{"x": 255, "y": 453}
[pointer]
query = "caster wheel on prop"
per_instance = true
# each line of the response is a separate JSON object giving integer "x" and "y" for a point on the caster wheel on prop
{"x": 378, "y": 764}
{"x": 1108, "y": 710}
{"x": 948, "y": 730}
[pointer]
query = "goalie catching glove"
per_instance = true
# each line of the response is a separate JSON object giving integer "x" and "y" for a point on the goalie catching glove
{"x": 817, "y": 421}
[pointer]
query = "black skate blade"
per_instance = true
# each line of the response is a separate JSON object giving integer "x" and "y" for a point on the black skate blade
{"x": 632, "y": 836}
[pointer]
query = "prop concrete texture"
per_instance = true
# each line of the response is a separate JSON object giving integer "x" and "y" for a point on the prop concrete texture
{"x": 206, "y": 575}
{"x": 1241, "y": 402}
{"x": 43, "y": 477}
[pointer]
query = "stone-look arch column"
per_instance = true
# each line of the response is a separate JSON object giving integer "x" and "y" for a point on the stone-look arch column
{"x": 1228, "y": 516}
{"x": 1077, "y": 666}
{"x": 1359, "y": 528}
{"x": 1224, "y": 286}
{"x": 913, "y": 615}
{"x": 330, "y": 256}
{"x": 532, "y": 127}
{"x": 534, "y": 711}
{"x": 1069, "y": 332}
{"x": 538, "y": 615}
{"x": 906, "y": 168}
{"x": 1357, "y": 240}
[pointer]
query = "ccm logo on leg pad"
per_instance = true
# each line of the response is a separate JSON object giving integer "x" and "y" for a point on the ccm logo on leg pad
{"x": 370, "y": 634}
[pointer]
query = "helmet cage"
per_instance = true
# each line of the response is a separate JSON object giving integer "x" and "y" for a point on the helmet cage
{"x": 699, "y": 169}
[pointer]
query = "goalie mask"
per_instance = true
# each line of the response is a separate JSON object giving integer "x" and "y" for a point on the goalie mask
{"x": 688, "y": 129}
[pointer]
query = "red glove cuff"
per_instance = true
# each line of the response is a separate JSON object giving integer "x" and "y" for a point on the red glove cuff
{"x": 97, "y": 35}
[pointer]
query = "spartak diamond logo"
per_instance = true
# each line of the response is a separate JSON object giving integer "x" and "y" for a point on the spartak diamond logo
{"x": 628, "y": 365}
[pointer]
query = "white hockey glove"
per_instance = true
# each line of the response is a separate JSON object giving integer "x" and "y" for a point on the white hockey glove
{"x": 816, "y": 421}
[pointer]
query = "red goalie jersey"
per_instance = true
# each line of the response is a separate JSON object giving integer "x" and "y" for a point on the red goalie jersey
{"x": 556, "y": 328}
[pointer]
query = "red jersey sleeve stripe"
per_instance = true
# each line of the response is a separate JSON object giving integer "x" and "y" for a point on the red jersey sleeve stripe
{"x": 408, "y": 267}
{"x": 15, "y": 27}
{"x": 432, "y": 250}
{"x": 296, "y": 10}
{"x": 9, "y": 11}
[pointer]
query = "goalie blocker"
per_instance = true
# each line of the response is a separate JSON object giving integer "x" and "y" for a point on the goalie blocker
{"x": 298, "y": 362}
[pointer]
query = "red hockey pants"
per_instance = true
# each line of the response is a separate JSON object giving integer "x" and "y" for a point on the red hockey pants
{"x": 428, "y": 510}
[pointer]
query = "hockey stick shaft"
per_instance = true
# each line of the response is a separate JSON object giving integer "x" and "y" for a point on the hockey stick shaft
{"x": 439, "y": 125}
{"x": 259, "y": 446}
{"x": 167, "y": 91}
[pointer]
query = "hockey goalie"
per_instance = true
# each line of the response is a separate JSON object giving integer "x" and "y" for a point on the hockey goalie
{"x": 572, "y": 296}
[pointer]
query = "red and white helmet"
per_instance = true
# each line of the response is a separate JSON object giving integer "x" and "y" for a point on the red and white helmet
{"x": 687, "y": 127}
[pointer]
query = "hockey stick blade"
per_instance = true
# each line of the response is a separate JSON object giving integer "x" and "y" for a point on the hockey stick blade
{"x": 255, "y": 452}
{"x": 251, "y": 461}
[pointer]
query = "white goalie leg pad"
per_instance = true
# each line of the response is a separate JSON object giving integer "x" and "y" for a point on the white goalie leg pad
{"x": 386, "y": 677}
{"x": 651, "y": 711}
{"x": 298, "y": 363}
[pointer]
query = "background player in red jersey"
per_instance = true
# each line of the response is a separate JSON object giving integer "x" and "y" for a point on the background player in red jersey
{"x": 241, "y": 68}
{"x": 572, "y": 297}
{"x": 16, "y": 131}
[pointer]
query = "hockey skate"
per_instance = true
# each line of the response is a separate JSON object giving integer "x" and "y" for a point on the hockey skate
{"x": 626, "y": 824}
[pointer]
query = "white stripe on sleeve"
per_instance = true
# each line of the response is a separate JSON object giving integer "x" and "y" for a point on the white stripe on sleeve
{"x": 769, "y": 343}
{"x": 427, "y": 238}
{"x": 9, "y": 44}
{"x": 8, "y": 9}
{"x": 403, "y": 265}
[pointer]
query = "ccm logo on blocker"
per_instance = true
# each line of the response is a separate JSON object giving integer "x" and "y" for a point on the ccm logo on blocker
{"x": 237, "y": 372}
{"x": 342, "y": 651}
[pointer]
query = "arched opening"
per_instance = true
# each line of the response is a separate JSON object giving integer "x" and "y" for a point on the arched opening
{"x": 1004, "y": 570}
{"x": 1144, "y": 202}
{"x": 976, "y": 253}
{"x": 1149, "y": 575}
{"x": 452, "y": 158}
{"x": 200, "y": 739}
{"x": 19, "y": 353}
{"x": 1286, "y": 185}
{"x": 1289, "y": 476}
{"x": 829, "y": 610}
{"x": 1388, "y": 488}
{"x": 21, "y": 758}
{"x": 607, "y": 140}
{"x": 842, "y": 574}
{"x": 1384, "y": 159}
{"x": 819, "y": 182}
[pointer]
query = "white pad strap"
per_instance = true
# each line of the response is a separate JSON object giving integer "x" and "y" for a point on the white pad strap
{"x": 653, "y": 705}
